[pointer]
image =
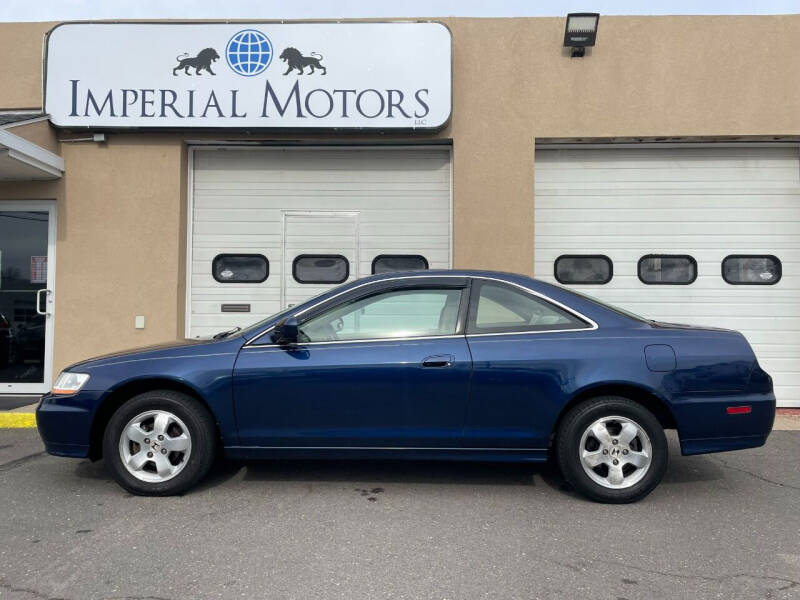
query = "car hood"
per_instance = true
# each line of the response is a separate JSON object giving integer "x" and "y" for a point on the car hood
{"x": 154, "y": 351}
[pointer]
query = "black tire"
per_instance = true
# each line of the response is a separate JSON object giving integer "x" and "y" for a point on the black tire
{"x": 201, "y": 429}
{"x": 568, "y": 448}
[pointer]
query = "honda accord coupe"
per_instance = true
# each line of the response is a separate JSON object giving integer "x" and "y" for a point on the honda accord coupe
{"x": 455, "y": 365}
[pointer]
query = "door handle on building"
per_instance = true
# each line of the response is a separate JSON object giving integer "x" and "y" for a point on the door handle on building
{"x": 39, "y": 311}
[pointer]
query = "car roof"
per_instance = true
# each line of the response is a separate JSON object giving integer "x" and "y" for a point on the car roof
{"x": 593, "y": 310}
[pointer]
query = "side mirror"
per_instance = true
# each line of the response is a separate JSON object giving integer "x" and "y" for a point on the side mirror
{"x": 285, "y": 332}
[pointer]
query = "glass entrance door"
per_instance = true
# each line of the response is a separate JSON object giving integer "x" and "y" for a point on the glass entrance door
{"x": 27, "y": 239}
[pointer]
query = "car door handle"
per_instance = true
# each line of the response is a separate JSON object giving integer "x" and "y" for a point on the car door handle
{"x": 439, "y": 360}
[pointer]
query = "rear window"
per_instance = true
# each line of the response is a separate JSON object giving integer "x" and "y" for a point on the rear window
{"x": 320, "y": 268}
{"x": 751, "y": 269}
{"x": 588, "y": 269}
{"x": 240, "y": 268}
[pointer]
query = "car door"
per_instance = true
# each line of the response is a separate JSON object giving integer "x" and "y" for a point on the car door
{"x": 524, "y": 357}
{"x": 385, "y": 367}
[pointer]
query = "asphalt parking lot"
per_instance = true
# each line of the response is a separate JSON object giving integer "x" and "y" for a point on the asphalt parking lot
{"x": 719, "y": 526}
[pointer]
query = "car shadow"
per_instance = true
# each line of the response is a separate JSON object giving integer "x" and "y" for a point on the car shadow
{"x": 681, "y": 469}
{"x": 385, "y": 471}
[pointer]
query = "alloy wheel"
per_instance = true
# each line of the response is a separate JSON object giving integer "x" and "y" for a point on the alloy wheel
{"x": 155, "y": 446}
{"x": 615, "y": 452}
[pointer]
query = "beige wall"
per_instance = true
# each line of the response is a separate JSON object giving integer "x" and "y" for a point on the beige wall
{"x": 122, "y": 205}
{"x": 40, "y": 133}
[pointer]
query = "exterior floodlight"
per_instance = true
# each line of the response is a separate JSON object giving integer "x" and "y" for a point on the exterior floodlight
{"x": 581, "y": 31}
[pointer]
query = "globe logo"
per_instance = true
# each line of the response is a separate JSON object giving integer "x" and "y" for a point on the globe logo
{"x": 249, "y": 52}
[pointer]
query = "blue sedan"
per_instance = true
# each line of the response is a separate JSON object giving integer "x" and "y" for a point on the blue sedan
{"x": 459, "y": 365}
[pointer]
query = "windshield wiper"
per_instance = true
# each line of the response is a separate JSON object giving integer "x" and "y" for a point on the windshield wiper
{"x": 222, "y": 335}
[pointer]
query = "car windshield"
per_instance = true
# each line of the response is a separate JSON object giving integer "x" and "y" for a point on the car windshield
{"x": 616, "y": 309}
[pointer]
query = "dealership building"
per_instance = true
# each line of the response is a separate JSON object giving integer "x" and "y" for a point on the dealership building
{"x": 163, "y": 181}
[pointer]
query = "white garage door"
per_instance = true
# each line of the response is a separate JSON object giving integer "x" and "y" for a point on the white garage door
{"x": 702, "y": 204}
{"x": 270, "y": 227}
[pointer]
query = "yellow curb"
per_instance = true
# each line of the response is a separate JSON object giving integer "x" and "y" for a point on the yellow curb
{"x": 9, "y": 420}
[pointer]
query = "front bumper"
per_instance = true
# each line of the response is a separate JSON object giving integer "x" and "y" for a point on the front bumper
{"x": 65, "y": 422}
{"x": 704, "y": 424}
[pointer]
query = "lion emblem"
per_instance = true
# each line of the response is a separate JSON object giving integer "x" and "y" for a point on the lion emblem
{"x": 199, "y": 63}
{"x": 295, "y": 59}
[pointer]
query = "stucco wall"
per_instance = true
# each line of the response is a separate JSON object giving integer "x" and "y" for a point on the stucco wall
{"x": 122, "y": 204}
{"x": 119, "y": 244}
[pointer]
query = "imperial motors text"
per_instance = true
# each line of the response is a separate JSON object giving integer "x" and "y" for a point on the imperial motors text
{"x": 317, "y": 103}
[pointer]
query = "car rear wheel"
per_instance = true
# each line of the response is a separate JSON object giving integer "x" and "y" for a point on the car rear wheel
{"x": 612, "y": 449}
{"x": 159, "y": 443}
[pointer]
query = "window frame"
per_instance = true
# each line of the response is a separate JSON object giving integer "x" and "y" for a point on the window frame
{"x": 224, "y": 255}
{"x": 318, "y": 282}
{"x": 471, "y": 328}
{"x": 777, "y": 260}
{"x": 380, "y": 256}
{"x": 326, "y": 307}
{"x": 601, "y": 256}
{"x": 692, "y": 261}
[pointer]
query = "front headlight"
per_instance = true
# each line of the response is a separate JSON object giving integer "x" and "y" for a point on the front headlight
{"x": 69, "y": 383}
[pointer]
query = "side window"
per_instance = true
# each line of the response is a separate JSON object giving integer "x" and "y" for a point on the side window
{"x": 393, "y": 314}
{"x": 751, "y": 269}
{"x": 388, "y": 263}
{"x": 240, "y": 268}
{"x": 320, "y": 268}
{"x": 498, "y": 308}
{"x": 667, "y": 269}
{"x": 583, "y": 269}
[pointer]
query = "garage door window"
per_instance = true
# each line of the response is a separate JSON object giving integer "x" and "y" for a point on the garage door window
{"x": 389, "y": 263}
{"x": 748, "y": 269}
{"x": 320, "y": 268}
{"x": 583, "y": 269}
{"x": 498, "y": 308}
{"x": 240, "y": 268}
{"x": 667, "y": 269}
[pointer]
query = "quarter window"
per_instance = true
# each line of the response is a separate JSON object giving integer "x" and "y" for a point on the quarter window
{"x": 667, "y": 269}
{"x": 497, "y": 308}
{"x": 320, "y": 268}
{"x": 240, "y": 268}
{"x": 751, "y": 269}
{"x": 583, "y": 269}
{"x": 389, "y": 263}
{"x": 388, "y": 315}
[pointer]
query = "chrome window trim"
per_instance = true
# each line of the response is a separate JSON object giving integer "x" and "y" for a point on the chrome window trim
{"x": 592, "y": 324}
{"x": 366, "y": 340}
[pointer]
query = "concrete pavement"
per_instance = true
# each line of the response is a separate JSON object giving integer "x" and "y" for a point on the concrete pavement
{"x": 719, "y": 526}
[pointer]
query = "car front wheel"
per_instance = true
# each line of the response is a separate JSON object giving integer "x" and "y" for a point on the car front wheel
{"x": 612, "y": 449}
{"x": 159, "y": 443}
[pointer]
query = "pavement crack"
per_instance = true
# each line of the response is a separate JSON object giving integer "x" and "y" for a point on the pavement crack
{"x": 726, "y": 465}
{"x": 31, "y": 592}
{"x": 788, "y": 581}
{"x": 12, "y": 464}
{"x": 136, "y": 598}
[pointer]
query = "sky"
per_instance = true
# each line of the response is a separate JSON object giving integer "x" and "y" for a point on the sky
{"x": 60, "y": 10}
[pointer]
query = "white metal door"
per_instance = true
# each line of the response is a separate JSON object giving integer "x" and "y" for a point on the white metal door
{"x": 27, "y": 299}
{"x": 706, "y": 202}
{"x": 326, "y": 235}
{"x": 238, "y": 197}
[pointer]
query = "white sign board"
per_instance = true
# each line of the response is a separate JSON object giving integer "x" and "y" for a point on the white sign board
{"x": 248, "y": 75}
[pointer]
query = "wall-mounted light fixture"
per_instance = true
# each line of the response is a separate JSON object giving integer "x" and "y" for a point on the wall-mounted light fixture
{"x": 581, "y": 31}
